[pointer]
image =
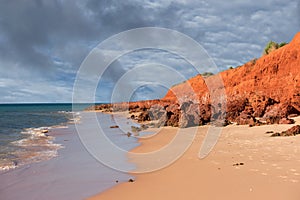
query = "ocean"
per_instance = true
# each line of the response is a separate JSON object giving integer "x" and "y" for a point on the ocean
{"x": 23, "y": 128}
{"x": 58, "y": 166}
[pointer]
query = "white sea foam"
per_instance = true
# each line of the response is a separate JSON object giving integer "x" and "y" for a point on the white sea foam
{"x": 7, "y": 167}
{"x": 76, "y": 118}
{"x": 37, "y": 146}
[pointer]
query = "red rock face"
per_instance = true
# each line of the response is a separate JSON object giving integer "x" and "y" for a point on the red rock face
{"x": 295, "y": 130}
{"x": 268, "y": 88}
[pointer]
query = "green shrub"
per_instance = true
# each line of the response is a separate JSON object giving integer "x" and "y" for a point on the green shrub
{"x": 282, "y": 44}
{"x": 271, "y": 46}
{"x": 253, "y": 61}
{"x": 206, "y": 74}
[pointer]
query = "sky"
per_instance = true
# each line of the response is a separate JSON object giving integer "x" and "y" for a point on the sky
{"x": 43, "y": 43}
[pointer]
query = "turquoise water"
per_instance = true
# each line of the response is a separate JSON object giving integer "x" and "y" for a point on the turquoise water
{"x": 20, "y": 130}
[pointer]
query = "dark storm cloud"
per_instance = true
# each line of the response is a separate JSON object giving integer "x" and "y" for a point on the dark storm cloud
{"x": 115, "y": 16}
{"x": 30, "y": 30}
{"x": 33, "y": 31}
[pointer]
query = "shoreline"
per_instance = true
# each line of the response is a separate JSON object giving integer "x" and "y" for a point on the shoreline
{"x": 246, "y": 163}
{"x": 73, "y": 174}
{"x": 38, "y": 142}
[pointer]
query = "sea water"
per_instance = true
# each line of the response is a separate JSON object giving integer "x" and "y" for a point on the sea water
{"x": 74, "y": 173}
{"x": 23, "y": 127}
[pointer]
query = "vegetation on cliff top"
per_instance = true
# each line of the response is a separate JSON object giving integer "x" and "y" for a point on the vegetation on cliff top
{"x": 206, "y": 74}
{"x": 272, "y": 46}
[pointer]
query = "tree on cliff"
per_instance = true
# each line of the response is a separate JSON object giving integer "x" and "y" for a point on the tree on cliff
{"x": 207, "y": 74}
{"x": 272, "y": 46}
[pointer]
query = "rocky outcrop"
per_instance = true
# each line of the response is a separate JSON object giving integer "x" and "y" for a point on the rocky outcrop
{"x": 245, "y": 118}
{"x": 192, "y": 114}
{"x": 126, "y": 106}
{"x": 295, "y": 130}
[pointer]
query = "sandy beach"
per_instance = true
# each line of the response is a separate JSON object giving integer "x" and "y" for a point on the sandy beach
{"x": 246, "y": 163}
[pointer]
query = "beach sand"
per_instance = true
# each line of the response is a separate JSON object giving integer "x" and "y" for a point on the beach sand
{"x": 270, "y": 167}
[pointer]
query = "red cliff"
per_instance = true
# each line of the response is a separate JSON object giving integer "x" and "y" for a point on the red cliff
{"x": 267, "y": 88}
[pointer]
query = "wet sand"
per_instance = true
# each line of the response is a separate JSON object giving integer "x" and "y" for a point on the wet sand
{"x": 246, "y": 164}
